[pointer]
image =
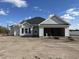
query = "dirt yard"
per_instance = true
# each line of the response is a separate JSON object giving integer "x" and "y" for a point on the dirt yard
{"x": 43, "y": 48}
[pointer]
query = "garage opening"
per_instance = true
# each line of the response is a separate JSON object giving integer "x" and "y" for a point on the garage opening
{"x": 54, "y": 32}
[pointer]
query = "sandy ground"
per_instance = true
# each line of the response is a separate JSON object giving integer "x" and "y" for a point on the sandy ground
{"x": 28, "y": 48}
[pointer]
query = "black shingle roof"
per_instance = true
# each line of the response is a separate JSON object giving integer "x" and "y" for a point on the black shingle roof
{"x": 36, "y": 20}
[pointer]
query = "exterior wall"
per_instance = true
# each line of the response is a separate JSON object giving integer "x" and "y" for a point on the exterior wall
{"x": 25, "y": 34}
{"x": 35, "y": 31}
{"x": 67, "y": 31}
{"x": 41, "y": 31}
{"x": 74, "y": 33}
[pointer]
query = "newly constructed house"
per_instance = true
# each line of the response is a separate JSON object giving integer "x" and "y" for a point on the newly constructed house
{"x": 53, "y": 26}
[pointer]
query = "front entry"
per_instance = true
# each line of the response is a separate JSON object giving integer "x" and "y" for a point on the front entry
{"x": 54, "y": 32}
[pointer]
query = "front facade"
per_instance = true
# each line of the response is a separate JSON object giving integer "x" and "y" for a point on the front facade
{"x": 53, "y": 26}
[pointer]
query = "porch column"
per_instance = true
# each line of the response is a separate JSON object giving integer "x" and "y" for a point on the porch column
{"x": 32, "y": 30}
{"x": 20, "y": 31}
{"x": 67, "y": 31}
{"x": 15, "y": 33}
{"x": 41, "y": 31}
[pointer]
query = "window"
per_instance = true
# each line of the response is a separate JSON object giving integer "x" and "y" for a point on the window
{"x": 26, "y": 30}
{"x": 35, "y": 31}
{"x": 22, "y": 30}
{"x": 29, "y": 30}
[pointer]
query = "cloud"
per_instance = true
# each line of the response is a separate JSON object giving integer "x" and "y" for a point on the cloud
{"x": 18, "y": 3}
{"x": 68, "y": 17}
{"x": 74, "y": 27}
{"x": 70, "y": 10}
{"x": 37, "y": 8}
{"x": 2, "y": 12}
{"x": 28, "y": 17}
{"x": 11, "y": 22}
{"x": 40, "y": 9}
{"x": 71, "y": 14}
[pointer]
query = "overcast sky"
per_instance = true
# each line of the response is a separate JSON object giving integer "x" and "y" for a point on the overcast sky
{"x": 13, "y": 11}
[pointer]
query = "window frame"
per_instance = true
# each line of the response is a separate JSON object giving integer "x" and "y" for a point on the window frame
{"x": 29, "y": 30}
{"x": 26, "y": 30}
{"x": 22, "y": 30}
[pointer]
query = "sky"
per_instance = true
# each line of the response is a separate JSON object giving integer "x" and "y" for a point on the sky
{"x": 14, "y": 11}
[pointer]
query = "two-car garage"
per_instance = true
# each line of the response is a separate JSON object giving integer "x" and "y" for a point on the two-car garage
{"x": 54, "y": 32}
{"x": 54, "y": 26}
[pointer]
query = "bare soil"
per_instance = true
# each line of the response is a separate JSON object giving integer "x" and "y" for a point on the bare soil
{"x": 43, "y": 48}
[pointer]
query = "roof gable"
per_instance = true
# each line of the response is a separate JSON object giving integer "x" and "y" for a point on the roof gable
{"x": 49, "y": 21}
{"x": 54, "y": 20}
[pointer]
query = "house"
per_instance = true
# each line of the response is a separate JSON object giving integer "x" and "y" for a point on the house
{"x": 53, "y": 26}
{"x": 26, "y": 27}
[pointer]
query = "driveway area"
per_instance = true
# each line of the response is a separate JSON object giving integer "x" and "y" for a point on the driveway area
{"x": 34, "y": 48}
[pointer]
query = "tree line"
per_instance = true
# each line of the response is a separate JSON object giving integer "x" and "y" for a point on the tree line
{"x": 3, "y": 30}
